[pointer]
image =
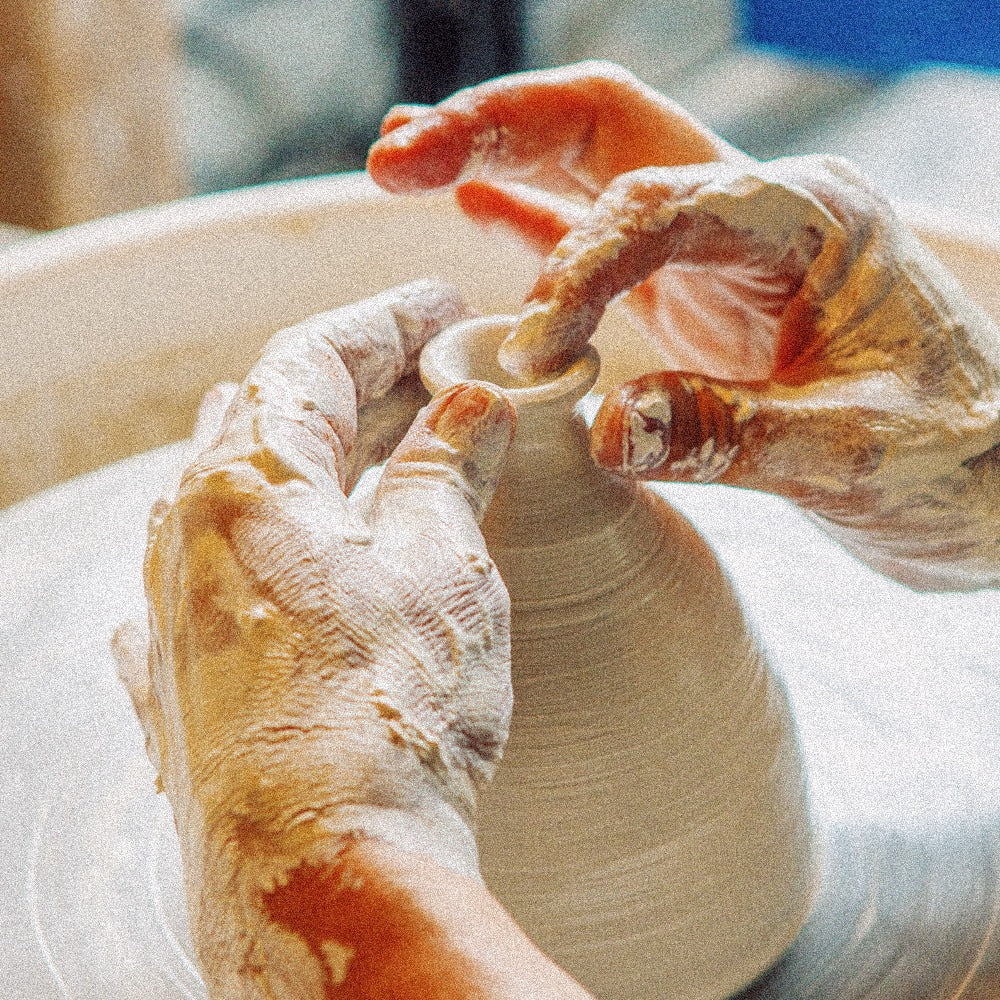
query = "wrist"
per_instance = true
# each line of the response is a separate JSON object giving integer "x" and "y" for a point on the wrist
{"x": 434, "y": 831}
{"x": 233, "y": 868}
{"x": 382, "y": 922}
{"x": 374, "y": 916}
{"x": 288, "y": 806}
{"x": 940, "y": 535}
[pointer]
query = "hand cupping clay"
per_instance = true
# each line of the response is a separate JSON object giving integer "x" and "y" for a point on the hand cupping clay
{"x": 305, "y": 684}
{"x": 649, "y": 826}
{"x": 319, "y": 673}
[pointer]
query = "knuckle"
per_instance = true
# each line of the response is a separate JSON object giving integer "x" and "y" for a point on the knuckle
{"x": 478, "y": 569}
{"x": 215, "y": 496}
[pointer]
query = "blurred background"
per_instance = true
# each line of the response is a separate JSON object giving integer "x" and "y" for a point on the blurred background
{"x": 206, "y": 95}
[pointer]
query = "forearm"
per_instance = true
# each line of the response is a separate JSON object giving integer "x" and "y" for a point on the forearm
{"x": 386, "y": 923}
{"x": 306, "y": 901}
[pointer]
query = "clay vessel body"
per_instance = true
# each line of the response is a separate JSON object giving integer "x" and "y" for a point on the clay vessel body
{"x": 649, "y": 825}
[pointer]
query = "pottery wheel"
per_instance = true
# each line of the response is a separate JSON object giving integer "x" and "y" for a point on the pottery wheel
{"x": 897, "y": 696}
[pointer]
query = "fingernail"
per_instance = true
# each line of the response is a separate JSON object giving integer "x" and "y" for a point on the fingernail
{"x": 512, "y": 356}
{"x": 478, "y": 421}
{"x": 669, "y": 426}
{"x": 646, "y": 431}
{"x": 632, "y": 430}
{"x": 402, "y": 114}
{"x": 423, "y": 154}
{"x": 540, "y": 344}
{"x": 423, "y": 308}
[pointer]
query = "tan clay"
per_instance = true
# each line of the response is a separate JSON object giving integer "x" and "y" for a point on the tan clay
{"x": 649, "y": 826}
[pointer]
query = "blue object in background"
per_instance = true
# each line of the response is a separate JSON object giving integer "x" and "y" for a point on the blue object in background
{"x": 880, "y": 35}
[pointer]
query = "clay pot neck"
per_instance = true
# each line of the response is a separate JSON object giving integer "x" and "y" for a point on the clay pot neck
{"x": 551, "y": 490}
{"x": 468, "y": 351}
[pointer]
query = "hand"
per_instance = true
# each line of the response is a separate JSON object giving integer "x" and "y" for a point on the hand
{"x": 320, "y": 669}
{"x": 818, "y": 350}
{"x": 532, "y": 152}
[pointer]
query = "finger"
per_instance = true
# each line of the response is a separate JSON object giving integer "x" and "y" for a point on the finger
{"x": 540, "y": 220}
{"x": 402, "y": 114}
{"x": 591, "y": 122}
{"x": 130, "y": 648}
{"x": 671, "y": 426}
{"x": 821, "y": 448}
{"x": 295, "y": 416}
{"x": 213, "y": 408}
{"x": 382, "y": 424}
{"x": 756, "y": 236}
{"x": 442, "y": 477}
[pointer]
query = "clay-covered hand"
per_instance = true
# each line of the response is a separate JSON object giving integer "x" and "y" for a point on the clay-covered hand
{"x": 817, "y": 349}
{"x": 532, "y": 152}
{"x": 322, "y": 668}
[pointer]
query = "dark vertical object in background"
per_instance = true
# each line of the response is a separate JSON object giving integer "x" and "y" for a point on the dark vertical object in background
{"x": 884, "y": 35}
{"x": 443, "y": 45}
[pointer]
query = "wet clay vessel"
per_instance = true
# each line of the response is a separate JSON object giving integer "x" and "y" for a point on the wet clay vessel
{"x": 649, "y": 826}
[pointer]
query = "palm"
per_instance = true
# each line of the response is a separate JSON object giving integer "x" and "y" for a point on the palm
{"x": 720, "y": 321}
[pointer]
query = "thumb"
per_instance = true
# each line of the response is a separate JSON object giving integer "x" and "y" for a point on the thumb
{"x": 819, "y": 445}
{"x": 444, "y": 472}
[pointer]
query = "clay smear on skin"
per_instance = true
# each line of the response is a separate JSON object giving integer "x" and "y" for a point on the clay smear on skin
{"x": 646, "y": 440}
{"x": 694, "y": 442}
{"x": 365, "y": 931}
{"x": 302, "y": 906}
